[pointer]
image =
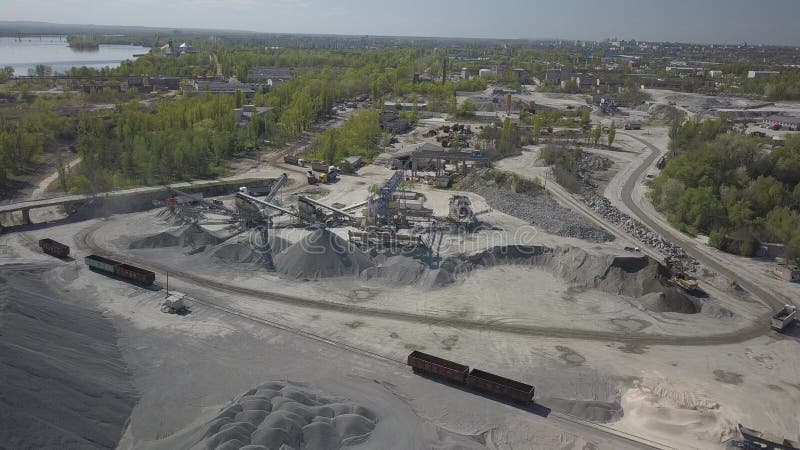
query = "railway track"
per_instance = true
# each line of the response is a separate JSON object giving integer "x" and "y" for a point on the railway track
{"x": 87, "y": 240}
{"x": 753, "y": 330}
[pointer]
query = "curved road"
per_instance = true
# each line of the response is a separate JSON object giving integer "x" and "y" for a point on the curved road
{"x": 677, "y": 238}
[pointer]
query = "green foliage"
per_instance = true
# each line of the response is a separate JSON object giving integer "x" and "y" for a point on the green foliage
{"x": 612, "y": 133}
{"x": 83, "y": 42}
{"x": 725, "y": 185}
{"x": 359, "y": 135}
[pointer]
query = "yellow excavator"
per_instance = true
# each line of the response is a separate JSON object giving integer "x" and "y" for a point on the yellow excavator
{"x": 678, "y": 275}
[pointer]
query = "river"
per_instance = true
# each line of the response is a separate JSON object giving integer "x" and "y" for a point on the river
{"x": 53, "y": 51}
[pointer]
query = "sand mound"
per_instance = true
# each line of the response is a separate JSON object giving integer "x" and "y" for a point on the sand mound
{"x": 248, "y": 249}
{"x": 274, "y": 415}
{"x": 187, "y": 236}
{"x": 681, "y": 417}
{"x": 322, "y": 254}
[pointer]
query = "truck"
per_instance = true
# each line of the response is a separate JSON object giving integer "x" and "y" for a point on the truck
{"x": 783, "y": 318}
{"x": 425, "y": 363}
{"x": 54, "y": 248}
{"x": 331, "y": 172}
{"x": 500, "y": 386}
{"x": 294, "y": 160}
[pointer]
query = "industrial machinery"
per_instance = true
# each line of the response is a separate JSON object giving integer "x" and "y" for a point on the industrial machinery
{"x": 678, "y": 275}
{"x": 783, "y": 318}
{"x": 461, "y": 212}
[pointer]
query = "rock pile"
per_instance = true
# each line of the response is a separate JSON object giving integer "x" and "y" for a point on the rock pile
{"x": 283, "y": 415}
{"x": 542, "y": 211}
{"x": 322, "y": 254}
{"x": 636, "y": 229}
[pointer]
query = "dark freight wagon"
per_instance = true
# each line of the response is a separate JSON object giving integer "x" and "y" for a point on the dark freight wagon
{"x": 54, "y": 248}
{"x": 136, "y": 274}
{"x": 126, "y": 271}
{"x": 101, "y": 264}
{"x": 422, "y": 362}
{"x": 500, "y": 386}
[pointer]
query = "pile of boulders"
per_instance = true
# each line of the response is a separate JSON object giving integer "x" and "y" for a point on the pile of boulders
{"x": 636, "y": 229}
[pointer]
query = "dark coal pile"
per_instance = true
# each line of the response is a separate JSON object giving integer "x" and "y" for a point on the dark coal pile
{"x": 322, "y": 254}
{"x": 64, "y": 382}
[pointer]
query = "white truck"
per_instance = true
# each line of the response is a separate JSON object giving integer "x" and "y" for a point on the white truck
{"x": 783, "y": 318}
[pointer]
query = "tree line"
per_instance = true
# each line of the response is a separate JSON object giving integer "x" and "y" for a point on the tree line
{"x": 734, "y": 188}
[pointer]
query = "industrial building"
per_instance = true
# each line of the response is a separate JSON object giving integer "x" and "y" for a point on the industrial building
{"x": 556, "y": 76}
{"x": 761, "y": 73}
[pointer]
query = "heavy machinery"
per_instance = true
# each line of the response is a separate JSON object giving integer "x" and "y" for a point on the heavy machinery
{"x": 783, "y": 318}
{"x": 678, "y": 275}
{"x": 461, "y": 212}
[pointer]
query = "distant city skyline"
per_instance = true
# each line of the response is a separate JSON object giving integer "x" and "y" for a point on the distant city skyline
{"x": 702, "y": 21}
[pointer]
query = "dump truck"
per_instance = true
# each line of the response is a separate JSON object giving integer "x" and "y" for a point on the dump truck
{"x": 783, "y": 318}
{"x": 54, "y": 248}
{"x": 294, "y": 160}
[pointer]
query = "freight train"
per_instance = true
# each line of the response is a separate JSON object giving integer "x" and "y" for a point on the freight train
{"x": 125, "y": 271}
{"x": 475, "y": 379}
{"x": 54, "y": 248}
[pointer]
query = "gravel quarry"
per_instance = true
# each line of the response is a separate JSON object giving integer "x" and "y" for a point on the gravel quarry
{"x": 300, "y": 342}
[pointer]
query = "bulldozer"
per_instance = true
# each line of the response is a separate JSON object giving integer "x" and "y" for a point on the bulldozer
{"x": 678, "y": 275}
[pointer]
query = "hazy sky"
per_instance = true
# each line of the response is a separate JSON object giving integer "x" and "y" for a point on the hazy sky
{"x": 714, "y": 21}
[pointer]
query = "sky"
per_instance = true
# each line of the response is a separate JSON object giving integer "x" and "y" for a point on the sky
{"x": 702, "y": 21}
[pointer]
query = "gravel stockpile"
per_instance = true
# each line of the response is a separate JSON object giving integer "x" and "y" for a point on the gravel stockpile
{"x": 192, "y": 236}
{"x": 64, "y": 381}
{"x": 322, "y": 254}
{"x": 249, "y": 248}
{"x": 282, "y": 415}
{"x": 542, "y": 211}
{"x": 637, "y": 277}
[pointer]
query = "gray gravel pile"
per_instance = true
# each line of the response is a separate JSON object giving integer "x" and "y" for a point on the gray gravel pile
{"x": 543, "y": 212}
{"x": 322, "y": 254}
{"x": 192, "y": 236}
{"x": 282, "y": 415}
{"x": 637, "y": 276}
{"x": 64, "y": 381}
